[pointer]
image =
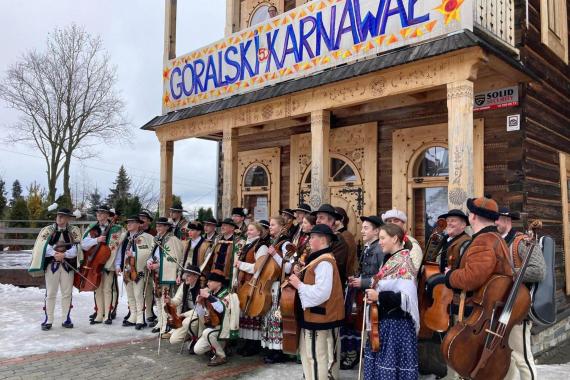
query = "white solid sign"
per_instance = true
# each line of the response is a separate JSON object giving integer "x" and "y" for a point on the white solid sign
{"x": 513, "y": 123}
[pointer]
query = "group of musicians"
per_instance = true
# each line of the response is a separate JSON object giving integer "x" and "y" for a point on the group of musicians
{"x": 207, "y": 278}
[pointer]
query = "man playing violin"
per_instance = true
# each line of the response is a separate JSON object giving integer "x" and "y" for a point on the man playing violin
{"x": 55, "y": 253}
{"x": 185, "y": 297}
{"x": 147, "y": 219}
{"x": 212, "y": 308}
{"x": 134, "y": 249}
{"x": 320, "y": 293}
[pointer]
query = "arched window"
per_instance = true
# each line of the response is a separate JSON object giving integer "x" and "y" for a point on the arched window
{"x": 341, "y": 171}
{"x": 256, "y": 176}
{"x": 256, "y": 190}
{"x": 434, "y": 162}
{"x": 261, "y": 14}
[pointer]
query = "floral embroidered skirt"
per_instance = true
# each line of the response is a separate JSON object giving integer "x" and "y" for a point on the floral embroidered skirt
{"x": 271, "y": 328}
{"x": 398, "y": 355}
{"x": 249, "y": 328}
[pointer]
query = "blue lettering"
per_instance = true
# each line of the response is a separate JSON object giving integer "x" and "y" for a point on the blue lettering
{"x": 322, "y": 34}
{"x": 303, "y": 42}
{"x": 221, "y": 81}
{"x": 272, "y": 52}
{"x": 411, "y": 10}
{"x": 211, "y": 73}
{"x": 370, "y": 22}
{"x": 290, "y": 36}
{"x": 176, "y": 95}
{"x": 199, "y": 87}
{"x": 244, "y": 62}
{"x": 187, "y": 89}
{"x": 233, "y": 63}
{"x": 399, "y": 10}
{"x": 348, "y": 10}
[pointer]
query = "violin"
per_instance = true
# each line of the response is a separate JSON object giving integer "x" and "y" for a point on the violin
{"x": 88, "y": 277}
{"x": 374, "y": 318}
{"x": 211, "y": 317}
{"x": 173, "y": 319}
{"x": 478, "y": 347}
{"x": 131, "y": 273}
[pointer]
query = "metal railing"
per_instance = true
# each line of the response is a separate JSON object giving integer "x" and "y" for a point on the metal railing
{"x": 497, "y": 18}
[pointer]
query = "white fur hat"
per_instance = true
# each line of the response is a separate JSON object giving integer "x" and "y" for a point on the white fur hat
{"x": 395, "y": 213}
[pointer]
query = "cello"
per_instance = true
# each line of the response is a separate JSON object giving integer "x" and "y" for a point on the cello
{"x": 88, "y": 277}
{"x": 478, "y": 348}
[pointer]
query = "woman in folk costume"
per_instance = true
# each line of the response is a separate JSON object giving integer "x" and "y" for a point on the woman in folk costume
{"x": 55, "y": 255}
{"x": 93, "y": 236}
{"x": 399, "y": 320}
{"x": 167, "y": 254}
{"x": 253, "y": 250}
{"x": 135, "y": 247}
{"x": 272, "y": 330}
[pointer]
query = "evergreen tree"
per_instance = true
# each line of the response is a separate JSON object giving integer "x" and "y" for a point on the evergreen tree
{"x": 94, "y": 201}
{"x": 3, "y": 199}
{"x": 16, "y": 192}
{"x": 121, "y": 188}
{"x": 19, "y": 211}
{"x": 204, "y": 214}
{"x": 35, "y": 202}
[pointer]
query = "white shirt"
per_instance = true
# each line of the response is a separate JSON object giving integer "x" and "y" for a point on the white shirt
{"x": 194, "y": 243}
{"x": 69, "y": 254}
{"x": 89, "y": 241}
{"x": 317, "y": 294}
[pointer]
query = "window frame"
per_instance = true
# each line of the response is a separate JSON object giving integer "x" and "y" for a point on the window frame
{"x": 558, "y": 44}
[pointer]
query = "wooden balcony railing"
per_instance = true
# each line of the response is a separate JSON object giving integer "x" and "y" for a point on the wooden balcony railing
{"x": 497, "y": 18}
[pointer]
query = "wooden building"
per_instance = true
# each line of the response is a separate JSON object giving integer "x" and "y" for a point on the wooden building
{"x": 418, "y": 105}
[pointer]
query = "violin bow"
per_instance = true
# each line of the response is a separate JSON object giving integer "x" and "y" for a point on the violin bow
{"x": 362, "y": 336}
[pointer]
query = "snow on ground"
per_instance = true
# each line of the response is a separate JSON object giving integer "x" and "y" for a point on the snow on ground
{"x": 15, "y": 259}
{"x": 22, "y": 313}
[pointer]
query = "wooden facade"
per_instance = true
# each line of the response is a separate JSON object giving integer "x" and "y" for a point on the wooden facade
{"x": 378, "y": 126}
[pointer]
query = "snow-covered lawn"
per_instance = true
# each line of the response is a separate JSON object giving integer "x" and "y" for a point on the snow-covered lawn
{"x": 21, "y": 315}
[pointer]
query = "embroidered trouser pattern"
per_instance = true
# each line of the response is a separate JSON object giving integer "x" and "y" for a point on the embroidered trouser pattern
{"x": 320, "y": 354}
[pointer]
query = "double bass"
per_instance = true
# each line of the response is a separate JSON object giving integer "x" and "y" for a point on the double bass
{"x": 478, "y": 347}
{"x": 88, "y": 277}
{"x": 290, "y": 305}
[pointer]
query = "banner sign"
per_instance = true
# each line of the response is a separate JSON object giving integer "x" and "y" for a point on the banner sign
{"x": 308, "y": 39}
{"x": 495, "y": 99}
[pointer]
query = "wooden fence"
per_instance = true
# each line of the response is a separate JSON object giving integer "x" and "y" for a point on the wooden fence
{"x": 15, "y": 236}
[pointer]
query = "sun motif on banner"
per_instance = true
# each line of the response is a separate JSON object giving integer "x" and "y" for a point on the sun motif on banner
{"x": 450, "y": 10}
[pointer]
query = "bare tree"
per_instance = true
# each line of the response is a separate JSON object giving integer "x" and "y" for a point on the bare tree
{"x": 67, "y": 101}
{"x": 147, "y": 190}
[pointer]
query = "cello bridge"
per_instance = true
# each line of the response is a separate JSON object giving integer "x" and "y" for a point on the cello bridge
{"x": 493, "y": 333}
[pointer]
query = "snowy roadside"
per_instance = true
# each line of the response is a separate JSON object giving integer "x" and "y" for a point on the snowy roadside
{"x": 22, "y": 313}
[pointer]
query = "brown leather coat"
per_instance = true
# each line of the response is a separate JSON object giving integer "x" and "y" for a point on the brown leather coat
{"x": 486, "y": 255}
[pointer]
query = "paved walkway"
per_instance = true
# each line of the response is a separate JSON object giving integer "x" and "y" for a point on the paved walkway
{"x": 124, "y": 360}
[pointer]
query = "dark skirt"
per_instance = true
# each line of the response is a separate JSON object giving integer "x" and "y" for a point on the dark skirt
{"x": 398, "y": 355}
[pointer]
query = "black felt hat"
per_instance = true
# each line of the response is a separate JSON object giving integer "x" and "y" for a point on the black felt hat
{"x": 375, "y": 220}
{"x": 514, "y": 215}
{"x": 229, "y": 221}
{"x": 217, "y": 275}
{"x": 103, "y": 208}
{"x": 287, "y": 211}
{"x": 163, "y": 220}
{"x": 455, "y": 212}
{"x": 197, "y": 226}
{"x": 191, "y": 269}
{"x": 66, "y": 212}
{"x": 328, "y": 209}
{"x": 146, "y": 214}
{"x": 303, "y": 207}
{"x": 177, "y": 207}
{"x": 264, "y": 223}
{"x": 134, "y": 218}
{"x": 323, "y": 229}
{"x": 238, "y": 211}
{"x": 211, "y": 221}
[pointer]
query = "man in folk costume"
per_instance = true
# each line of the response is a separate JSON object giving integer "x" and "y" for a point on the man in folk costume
{"x": 326, "y": 214}
{"x": 196, "y": 250}
{"x": 147, "y": 219}
{"x": 55, "y": 254}
{"x": 134, "y": 248}
{"x": 320, "y": 293}
{"x": 300, "y": 212}
{"x": 179, "y": 223}
{"x": 214, "y": 299}
{"x": 238, "y": 216}
{"x": 92, "y": 237}
{"x": 457, "y": 238}
{"x": 289, "y": 216}
{"x": 400, "y": 219}
{"x": 167, "y": 255}
{"x": 487, "y": 254}
{"x": 522, "y": 360}
{"x": 371, "y": 259}
{"x": 185, "y": 298}
{"x": 210, "y": 233}
{"x": 223, "y": 254}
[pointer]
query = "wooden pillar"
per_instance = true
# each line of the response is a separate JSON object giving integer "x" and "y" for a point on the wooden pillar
{"x": 233, "y": 13}
{"x": 460, "y": 138}
{"x": 230, "y": 150}
{"x": 320, "y": 157}
{"x": 166, "y": 156}
{"x": 169, "y": 29}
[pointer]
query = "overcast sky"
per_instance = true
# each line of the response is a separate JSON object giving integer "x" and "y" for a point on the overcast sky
{"x": 132, "y": 33}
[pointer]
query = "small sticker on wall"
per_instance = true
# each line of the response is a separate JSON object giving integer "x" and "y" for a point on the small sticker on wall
{"x": 513, "y": 123}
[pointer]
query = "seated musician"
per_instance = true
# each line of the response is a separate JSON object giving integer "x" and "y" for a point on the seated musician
{"x": 522, "y": 360}
{"x": 55, "y": 256}
{"x": 395, "y": 294}
{"x": 485, "y": 255}
{"x": 254, "y": 249}
{"x": 371, "y": 260}
{"x": 320, "y": 293}
{"x": 185, "y": 297}
{"x": 212, "y": 309}
{"x": 400, "y": 219}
